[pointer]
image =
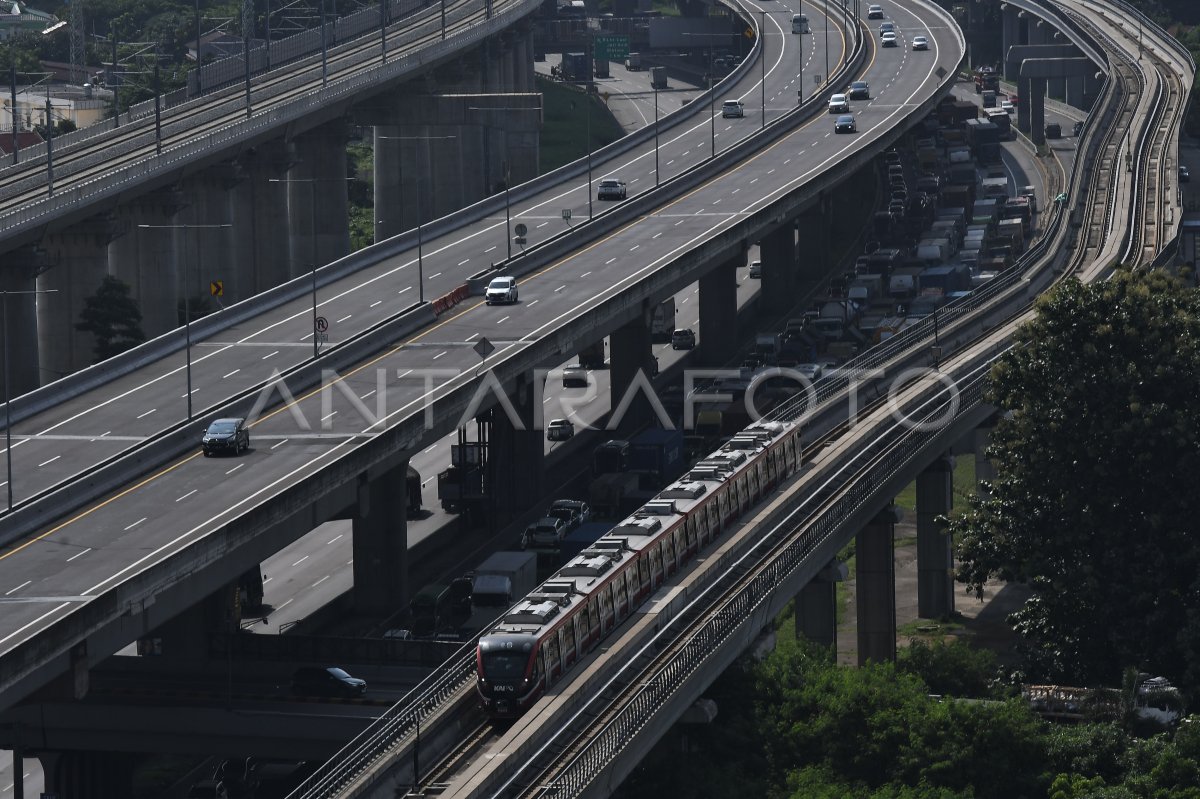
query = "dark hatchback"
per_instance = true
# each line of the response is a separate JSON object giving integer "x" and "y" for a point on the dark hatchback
{"x": 331, "y": 681}
{"x": 845, "y": 124}
{"x": 226, "y": 435}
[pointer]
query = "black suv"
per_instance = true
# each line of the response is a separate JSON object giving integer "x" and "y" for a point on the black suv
{"x": 330, "y": 681}
{"x": 226, "y": 435}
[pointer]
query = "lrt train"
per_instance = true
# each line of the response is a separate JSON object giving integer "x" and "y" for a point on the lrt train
{"x": 544, "y": 635}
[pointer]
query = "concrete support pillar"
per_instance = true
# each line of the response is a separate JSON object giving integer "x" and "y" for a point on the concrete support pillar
{"x": 1074, "y": 91}
{"x": 816, "y": 606}
{"x": 1023, "y": 115}
{"x": 778, "y": 252}
{"x": 87, "y": 775}
{"x": 380, "y": 529}
{"x": 1039, "y": 31}
{"x": 812, "y": 236}
{"x": 260, "y": 236}
{"x": 19, "y": 334}
{"x": 204, "y": 237}
{"x": 185, "y": 637}
{"x": 1035, "y": 98}
{"x": 875, "y": 585}
{"x": 718, "y": 312}
{"x": 1056, "y": 88}
{"x": 935, "y": 556}
{"x": 516, "y": 453}
{"x": 985, "y": 470}
{"x": 630, "y": 353}
{"x": 318, "y": 204}
{"x": 144, "y": 258}
{"x": 1009, "y": 36}
{"x": 1093, "y": 83}
{"x": 80, "y": 263}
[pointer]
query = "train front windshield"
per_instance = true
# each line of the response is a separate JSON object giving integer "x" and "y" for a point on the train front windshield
{"x": 504, "y": 666}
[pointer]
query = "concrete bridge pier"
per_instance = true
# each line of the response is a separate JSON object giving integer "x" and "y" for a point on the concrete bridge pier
{"x": 935, "y": 556}
{"x": 1075, "y": 91}
{"x": 418, "y": 175}
{"x": 20, "y": 331}
{"x": 318, "y": 202}
{"x": 779, "y": 262}
{"x": 185, "y": 636}
{"x": 204, "y": 237}
{"x": 380, "y": 529}
{"x": 1010, "y": 35}
{"x": 631, "y": 362}
{"x": 816, "y": 606}
{"x": 261, "y": 236}
{"x": 144, "y": 258}
{"x": 718, "y": 312}
{"x": 87, "y": 775}
{"x": 875, "y": 577}
{"x": 1035, "y": 98}
{"x": 79, "y": 256}
{"x": 813, "y": 240}
{"x": 1024, "y": 92}
{"x": 516, "y": 450}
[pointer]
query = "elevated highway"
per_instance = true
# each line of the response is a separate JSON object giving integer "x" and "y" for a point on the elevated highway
{"x": 588, "y": 735}
{"x": 594, "y": 304}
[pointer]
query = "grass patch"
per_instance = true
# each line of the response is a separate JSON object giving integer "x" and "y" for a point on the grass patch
{"x": 931, "y": 628}
{"x": 564, "y": 136}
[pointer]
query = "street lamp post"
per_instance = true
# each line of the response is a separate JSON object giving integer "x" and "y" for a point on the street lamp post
{"x": 420, "y": 210}
{"x": 656, "y": 175}
{"x": 187, "y": 311}
{"x": 762, "y": 56}
{"x": 8, "y": 384}
{"x": 312, "y": 232}
{"x": 826, "y": 2}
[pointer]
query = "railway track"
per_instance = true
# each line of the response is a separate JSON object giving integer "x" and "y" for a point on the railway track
{"x": 577, "y": 754}
{"x": 136, "y": 141}
{"x": 1095, "y": 230}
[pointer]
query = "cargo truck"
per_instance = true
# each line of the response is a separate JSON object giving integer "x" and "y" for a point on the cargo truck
{"x": 503, "y": 578}
{"x": 656, "y": 456}
{"x": 662, "y": 322}
{"x": 946, "y": 279}
{"x": 658, "y": 78}
{"x": 575, "y": 67}
{"x": 633, "y": 62}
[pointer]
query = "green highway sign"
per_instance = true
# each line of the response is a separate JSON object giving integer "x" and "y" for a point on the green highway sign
{"x": 611, "y": 48}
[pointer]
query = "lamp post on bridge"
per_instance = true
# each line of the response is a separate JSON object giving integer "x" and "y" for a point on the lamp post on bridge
{"x": 187, "y": 311}
{"x": 508, "y": 236}
{"x": 312, "y": 232}
{"x": 8, "y": 386}
{"x": 420, "y": 215}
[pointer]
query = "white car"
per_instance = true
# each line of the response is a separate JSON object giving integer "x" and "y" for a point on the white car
{"x": 611, "y": 189}
{"x": 839, "y": 104}
{"x": 575, "y": 377}
{"x": 887, "y": 27}
{"x": 920, "y": 43}
{"x": 756, "y": 269}
{"x": 501, "y": 290}
{"x": 874, "y": 12}
{"x": 888, "y": 39}
{"x": 1007, "y": 107}
{"x": 733, "y": 108}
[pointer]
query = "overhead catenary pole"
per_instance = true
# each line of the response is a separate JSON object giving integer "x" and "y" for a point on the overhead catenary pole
{"x": 16, "y": 140}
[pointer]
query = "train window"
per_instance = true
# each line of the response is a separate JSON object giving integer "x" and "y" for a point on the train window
{"x": 656, "y": 563}
{"x": 680, "y": 546}
{"x": 693, "y": 528}
{"x": 669, "y": 552}
{"x": 702, "y": 527}
{"x": 744, "y": 491}
{"x": 724, "y": 502}
{"x": 552, "y": 662}
{"x": 606, "y": 606}
{"x": 714, "y": 517}
{"x": 548, "y": 663}
{"x": 644, "y": 572}
{"x": 752, "y": 481}
{"x": 570, "y": 637}
{"x": 594, "y": 617}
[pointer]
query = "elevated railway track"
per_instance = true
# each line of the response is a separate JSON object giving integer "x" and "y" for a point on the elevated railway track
{"x": 1121, "y": 205}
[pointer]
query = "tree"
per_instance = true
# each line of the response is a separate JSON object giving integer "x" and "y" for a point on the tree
{"x": 1094, "y": 504}
{"x": 113, "y": 318}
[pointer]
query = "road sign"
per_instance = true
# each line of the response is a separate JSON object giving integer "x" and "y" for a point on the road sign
{"x": 322, "y": 338}
{"x": 520, "y": 229}
{"x": 610, "y": 47}
{"x": 484, "y": 348}
{"x": 321, "y": 324}
{"x": 566, "y": 214}
{"x": 216, "y": 288}
{"x": 748, "y": 33}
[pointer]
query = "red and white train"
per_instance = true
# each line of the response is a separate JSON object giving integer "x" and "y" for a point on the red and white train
{"x": 545, "y": 634}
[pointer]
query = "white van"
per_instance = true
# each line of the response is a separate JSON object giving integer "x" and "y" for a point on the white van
{"x": 799, "y": 23}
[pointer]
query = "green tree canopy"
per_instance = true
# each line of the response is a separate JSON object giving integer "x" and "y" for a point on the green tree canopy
{"x": 113, "y": 318}
{"x": 1095, "y": 503}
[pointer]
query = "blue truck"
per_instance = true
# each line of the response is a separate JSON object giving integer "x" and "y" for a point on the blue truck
{"x": 581, "y": 538}
{"x": 656, "y": 456}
